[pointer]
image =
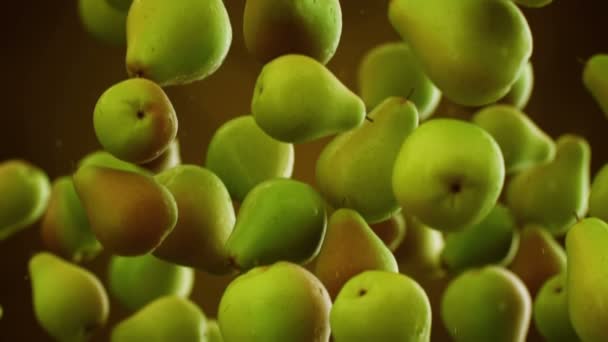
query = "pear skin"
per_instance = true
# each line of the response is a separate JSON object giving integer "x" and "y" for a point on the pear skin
{"x": 169, "y": 159}
{"x": 105, "y": 159}
{"x": 551, "y": 316}
{"x": 595, "y": 79}
{"x": 598, "y": 197}
{"x": 521, "y": 90}
{"x": 392, "y": 231}
{"x": 104, "y": 22}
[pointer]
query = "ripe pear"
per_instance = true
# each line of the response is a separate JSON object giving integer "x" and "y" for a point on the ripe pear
{"x": 135, "y": 120}
{"x": 554, "y": 194}
{"x": 538, "y": 258}
{"x": 65, "y": 227}
{"x": 297, "y": 99}
{"x": 487, "y": 304}
{"x": 598, "y": 197}
{"x": 243, "y": 156}
{"x": 122, "y": 5}
{"x": 25, "y": 190}
{"x": 521, "y": 90}
{"x": 272, "y": 28}
{"x": 391, "y": 69}
{"x": 102, "y": 21}
{"x": 494, "y": 240}
{"x": 213, "y": 333}
{"x": 280, "y": 219}
{"x": 167, "y": 160}
{"x": 277, "y": 303}
{"x": 392, "y": 231}
{"x": 459, "y": 185}
{"x": 129, "y": 213}
{"x": 206, "y": 219}
{"x": 586, "y": 279}
{"x": 381, "y": 306}
{"x": 168, "y": 318}
{"x": 595, "y": 79}
{"x": 355, "y": 169}
{"x": 70, "y": 303}
{"x": 419, "y": 253}
{"x": 551, "y": 315}
{"x": 106, "y": 159}
{"x": 177, "y": 42}
{"x": 523, "y": 144}
{"x": 460, "y": 44}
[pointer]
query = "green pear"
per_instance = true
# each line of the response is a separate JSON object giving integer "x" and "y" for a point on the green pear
{"x": 103, "y": 21}
{"x": 472, "y": 50}
{"x": 106, "y": 159}
{"x": 122, "y": 5}
{"x": 586, "y": 281}
{"x": 135, "y": 120}
{"x": 243, "y": 156}
{"x": 65, "y": 227}
{"x": 554, "y": 194}
{"x": 459, "y": 185}
{"x": 168, "y": 318}
{"x": 129, "y": 213}
{"x": 277, "y": 303}
{"x": 538, "y": 258}
{"x": 25, "y": 191}
{"x": 391, "y": 69}
{"x": 280, "y": 219}
{"x": 349, "y": 248}
{"x": 70, "y": 303}
{"x": 533, "y": 3}
{"x": 206, "y": 219}
{"x": 551, "y": 315}
{"x": 523, "y": 144}
{"x": 274, "y": 28}
{"x": 494, "y": 240}
{"x": 381, "y": 306}
{"x": 595, "y": 79}
{"x": 138, "y": 281}
{"x": 392, "y": 231}
{"x": 167, "y": 160}
{"x": 521, "y": 90}
{"x": 177, "y": 42}
{"x": 355, "y": 169}
{"x": 213, "y": 332}
{"x": 297, "y": 99}
{"x": 420, "y": 252}
{"x": 487, "y": 304}
{"x": 598, "y": 196}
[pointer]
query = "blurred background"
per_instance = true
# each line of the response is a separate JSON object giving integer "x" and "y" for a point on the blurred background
{"x": 54, "y": 72}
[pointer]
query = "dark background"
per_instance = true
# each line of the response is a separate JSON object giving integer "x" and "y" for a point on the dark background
{"x": 53, "y": 72}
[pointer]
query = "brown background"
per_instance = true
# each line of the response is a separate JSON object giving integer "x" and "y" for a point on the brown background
{"x": 53, "y": 73}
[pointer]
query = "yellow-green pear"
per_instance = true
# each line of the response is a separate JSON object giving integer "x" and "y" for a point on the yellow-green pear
{"x": 297, "y": 99}
{"x": 392, "y": 231}
{"x": 169, "y": 159}
{"x": 176, "y": 42}
{"x": 551, "y": 315}
{"x": 521, "y": 90}
{"x": 102, "y": 21}
{"x": 420, "y": 252}
{"x": 213, "y": 333}
{"x": 595, "y": 79}
{"x": 598, "y": 197}
{"x": 70, "y": 303}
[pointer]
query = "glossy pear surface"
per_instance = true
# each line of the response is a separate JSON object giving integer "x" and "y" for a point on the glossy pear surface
{"x": 103, "y": 21}
{"x": 551, "y": 315}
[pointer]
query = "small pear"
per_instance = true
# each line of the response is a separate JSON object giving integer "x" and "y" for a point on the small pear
{"x": 25, "y": 190}
{"x": 551, "y": 315}
{"x": 554, "y": 194}
{"x": 277, "y": 303}
{"x": 129, "y": 213}
{"x": 521, "y": 90}
{"x": 243, "y": 156}
{"x": 213, "y": 332}
{"x": 598, "y": 197}
{"x": 105, "y": 159}
{"x": 355, "y": 169}
{"x": 595, "y": 79}
{"x": 287, "y": 83}
{"x": 420, "y": 252}
{"x": 169, "y": 53}
{"x": 70, "y": 303}
{"x": 168, "y": 318}
{"x": 392, "y": 231}
{"x": 523, "y": 144}
{"x": 102, "y": 21}
{"x": 167, "y": 160}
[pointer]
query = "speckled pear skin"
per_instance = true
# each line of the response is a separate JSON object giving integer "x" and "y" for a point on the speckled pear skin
{"x": 170, "y": 54}
{"x": 595, "y": 79}
{"x": 104, "y": 22}
{"x": 551, "y": 315}
{"x": 129, "y": 213}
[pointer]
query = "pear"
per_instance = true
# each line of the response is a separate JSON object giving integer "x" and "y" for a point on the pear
{"x": 420, "y": 252}
{"x": 381, "y": 306}
{"x": 70, "y": 303}
{"x": 392, "y": 231}
{"x": 459, "y": 185}
{"x": 167, "y": 160}
{"x": 586, "y": 279}
{"x": 459, "y": 44}
{"x": 595, "y": 79}
{"x": 494, "y": 240}
{"x": 554, "y": 194}
{"x": 169, "y": 53}
{"x": 551, "y": 315}
{"x": 297, "y": 99}
{"x": 349, "y": 248}
{"x": 391, "y": 69}
{"x": 105, "y": 159}
{"x": 521, "y": 90}
{"x": 277, "y": 303}
{"x": 102, "y": 21}
{"x": 243, "y": 156}
{"x": 122, "y": 5}
{"x": 280, "y": 219}
{"x": 522, "y": 143}
{"x": 129, "y": 213}
{"x": 213, "y": 332}
{"x": 355, "y": 169}
{"x": 168, "y": 318}
{"x": 25, "y": 190}
{"x": 487, "y": 304}
{"x": 65, "y": 227}
{"x": 135, "y": 120}
{"x": 598, "y": 197}
{"x": 274, "y": 28}
{"x": 206, "y": 219}
{"x": 538, "y": 258}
